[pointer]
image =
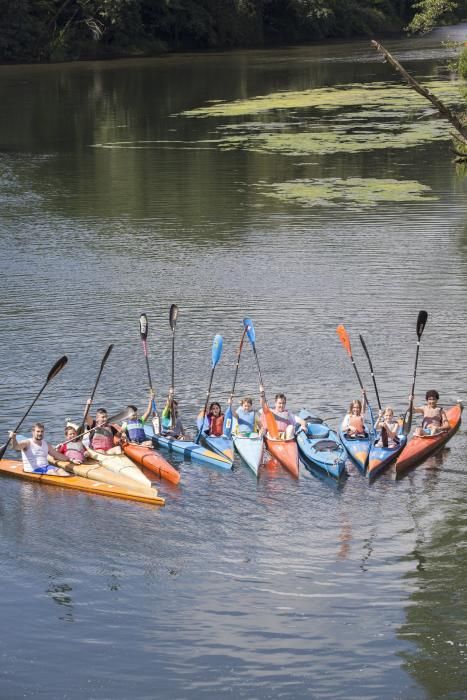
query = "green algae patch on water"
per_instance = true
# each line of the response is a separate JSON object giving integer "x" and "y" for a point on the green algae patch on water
{"x": 354, "y": 192}
{"x": 384, "y": 95}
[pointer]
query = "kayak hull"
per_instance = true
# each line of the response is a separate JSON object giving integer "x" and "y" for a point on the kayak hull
{"x": 220, "y": 445}
{"x": 120, "y": 464}
{"x": 419, "y": 448}
{"x": 285, "y": 452}
{"x": 358, "y": 449}
{"x": 79, "y": 483}
{"x": 152, "y": 460}
{"x": 381, "y": 457}
{"x": 319, "y": 446}
{"x": 251, "y": 450}
{"x": 188, "y": 449}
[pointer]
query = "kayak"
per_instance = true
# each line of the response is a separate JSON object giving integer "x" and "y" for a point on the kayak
{"x": 152, "y": 460}
{"x": 418, "y": 448}
{"x": 285, "y": 452}
{"x": 220, "y": 445}
{"x": 251, "y": 449}
{"x": 120, "y": 464}
{"x": 188, "y": 449}
{"x": 91, "y": 469}
{"x": 79, "y": 483}
{"x": 357, "y": 448}
{"x": 381, "y": 457}
{"x": 319, "y": 446}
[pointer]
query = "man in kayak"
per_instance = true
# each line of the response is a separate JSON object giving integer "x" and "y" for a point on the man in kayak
{"x": 102, "y": 435}
{"x": 435, "y": 419}
{"x": 133, "y": 427}
{"x": 285, "y": 419}
{"x": 35, "y": 452}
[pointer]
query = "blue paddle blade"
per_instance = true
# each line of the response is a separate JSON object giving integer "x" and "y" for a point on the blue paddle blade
{"x": 250, "y": 330}
{"x": 228, "y": 422}
{"x": 216, "y": 350}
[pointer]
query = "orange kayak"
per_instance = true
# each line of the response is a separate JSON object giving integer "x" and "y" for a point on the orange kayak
{"x": 79, "y": 483}
{"x": 420, "y": 447}
{"x": 152, "y": 460}
{"x": 285, "y": 451}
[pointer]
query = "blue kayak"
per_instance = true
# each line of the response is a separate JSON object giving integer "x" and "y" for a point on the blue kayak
{"x": 188, "y": 449}
{"x": 219, "y": 444}
{"x": 381, "y": 457}
{"x": 358, "y": 448}
{"x": 251, "y": 449}
{"x": 319, "y": 446}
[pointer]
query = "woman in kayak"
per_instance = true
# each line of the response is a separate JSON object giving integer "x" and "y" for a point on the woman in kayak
{"x": 354, "y": 422}
{"x": 435, "y": 419}
{"x": 215, "y": 419}
{"x": 389, "y": 427}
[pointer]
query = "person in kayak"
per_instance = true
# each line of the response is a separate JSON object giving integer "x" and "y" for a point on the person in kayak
{"x": 435, "y": 419}
{"x": 72, "y": 448}
{"x": 354, "y": 422}
{"x": 35, "y": 452}
{"x": 246, "y": 417}
{"x": 177, "y": 431}
{"x": 214, "y": 420}
{"x": 286, "y": 421}
{"x": 133, "y": 428}
{"x": 102, "y": 435}
{"x": 389, "y": 427}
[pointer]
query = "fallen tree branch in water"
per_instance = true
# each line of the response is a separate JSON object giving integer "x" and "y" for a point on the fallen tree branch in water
{"x": 442, "y": 109}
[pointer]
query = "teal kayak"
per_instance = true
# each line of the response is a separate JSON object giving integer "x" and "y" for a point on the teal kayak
{"x": 188, "y": 449}
{"x": 319, "y": 446}
{"x": 251, "y": 450}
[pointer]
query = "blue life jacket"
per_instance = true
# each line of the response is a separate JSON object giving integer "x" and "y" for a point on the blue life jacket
{"x": 246, "y": 420}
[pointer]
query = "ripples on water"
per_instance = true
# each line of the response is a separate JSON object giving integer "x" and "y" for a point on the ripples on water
{"x": 268, "y": 588}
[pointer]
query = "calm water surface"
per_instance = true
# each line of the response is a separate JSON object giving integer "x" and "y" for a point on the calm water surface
{"x": 112, "y": 203}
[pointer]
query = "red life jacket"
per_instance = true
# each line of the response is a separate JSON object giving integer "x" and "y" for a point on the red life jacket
{"x": 102, "y": 438}
{"x": 216, "y": 425}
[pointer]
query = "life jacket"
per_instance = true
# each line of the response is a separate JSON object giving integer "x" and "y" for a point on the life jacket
{"x": 246, "y": 420}
{"x": 75, "y": 450}
{"x": 216, "y": 425}
{"x": 102, "y": 438}
{"x": 135, "y": 430}
{"x": 35, "y": 456}
{"x": 283, "y": 420}
{"x": 357, "y": 423}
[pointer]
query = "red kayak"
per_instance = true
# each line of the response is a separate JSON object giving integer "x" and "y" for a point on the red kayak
{"x": 419, "y": 448}
{"x": 152, "y": 460}
{"x": 285, "y": 451}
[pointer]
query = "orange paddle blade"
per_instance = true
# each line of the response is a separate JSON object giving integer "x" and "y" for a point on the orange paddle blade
{"x": 344, "y": 338}
{"x": 273, "y": 430}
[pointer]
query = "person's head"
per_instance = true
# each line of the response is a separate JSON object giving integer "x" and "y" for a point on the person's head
{"x": 215, "y": 408}
{"x": 280, "y": 400}
{"x": 38, "y": 431}
{"x": 134, "y": 412}
{"x": 388, "y": 413}
{"x": 432, "y": 397}
{"x": 70, "y": 432}
{"x": 247, "y": 403}
{"x": 355, "y": 407}
{"x": 101, "y": 416}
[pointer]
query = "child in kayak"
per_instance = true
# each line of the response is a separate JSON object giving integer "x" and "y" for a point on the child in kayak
{"x": 133, "y": 428}
{"x": 177, "y": 431}
{"x": 389, "y": 427}
{"x": 354, "y": 423}
{"x": 246, "y": 417}
{"x": 435, "y": 419}
{"x": 214, "y": 420}
{"x": 73, "y": 449}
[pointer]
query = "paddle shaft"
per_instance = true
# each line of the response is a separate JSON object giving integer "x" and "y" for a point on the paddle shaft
{"x": 88, "y": 405}
{"x": 371, "y": 371}
{"x": 58, "y": 366}
{"x": 208, "y": 393}
{"x": 240, "y": 347}
{"x": 421, "y": 321}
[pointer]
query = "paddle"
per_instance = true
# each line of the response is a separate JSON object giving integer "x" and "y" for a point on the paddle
{"x": 215, "y": 357}
{"x": 371, "y": 370}
{"x": 345, "y": 340}
{"x": 421, "y": 322}
{"x": 117, "y": 418}
{"x": 173, "y": 314}
{"x": 271, "y": 424}
{"x": 58, "y": 366}
{"x": 143, "y": 329}
{"x": 228, "y": 411}
{"x": 88, "y": 405}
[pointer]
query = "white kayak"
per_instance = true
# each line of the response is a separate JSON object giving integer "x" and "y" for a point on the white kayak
{"x": 120, "y": 464}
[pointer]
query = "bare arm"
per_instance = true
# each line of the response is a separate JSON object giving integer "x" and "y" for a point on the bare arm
{"x": 57, "y": 455}
{"x": 23, "y": 445}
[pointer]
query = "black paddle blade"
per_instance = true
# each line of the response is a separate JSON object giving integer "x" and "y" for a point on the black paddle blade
{"x": 3, "y": 449}
{"x": 143, "y": 326}
{"x": 104, "y": 359}
{"x": 123, "y": 415}
{"x": 364, "y": 347}
{"x": 173, "y": 313}
{"x": 58, "y": 366}
{"x": 421, "y": 322}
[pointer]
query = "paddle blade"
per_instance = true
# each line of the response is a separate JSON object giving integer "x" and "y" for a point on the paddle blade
{"x": 365, "y": 348}
{"x": 344, "y": 338}
{"x": 58, "y": 366}
{"x": 216, "y": 350}
{"x": 421, "y": 322}
{"x": 143, "y": 326}
{"x": 271, "y": 424}
{"x": 104, "y": 359}
{"x": 250, "y": 330}
{"x": 173, "y": 313}
{"x": 3, "y": 449}
{"x": 228, "y": 418}
{"x": 119, "y": 417}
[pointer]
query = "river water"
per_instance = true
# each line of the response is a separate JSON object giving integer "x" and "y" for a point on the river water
{"x": 114, "y": 201}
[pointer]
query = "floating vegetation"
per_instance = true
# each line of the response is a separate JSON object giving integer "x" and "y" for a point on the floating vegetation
{"x": 386, "y": 96}
{"x": 354, "y": 192}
